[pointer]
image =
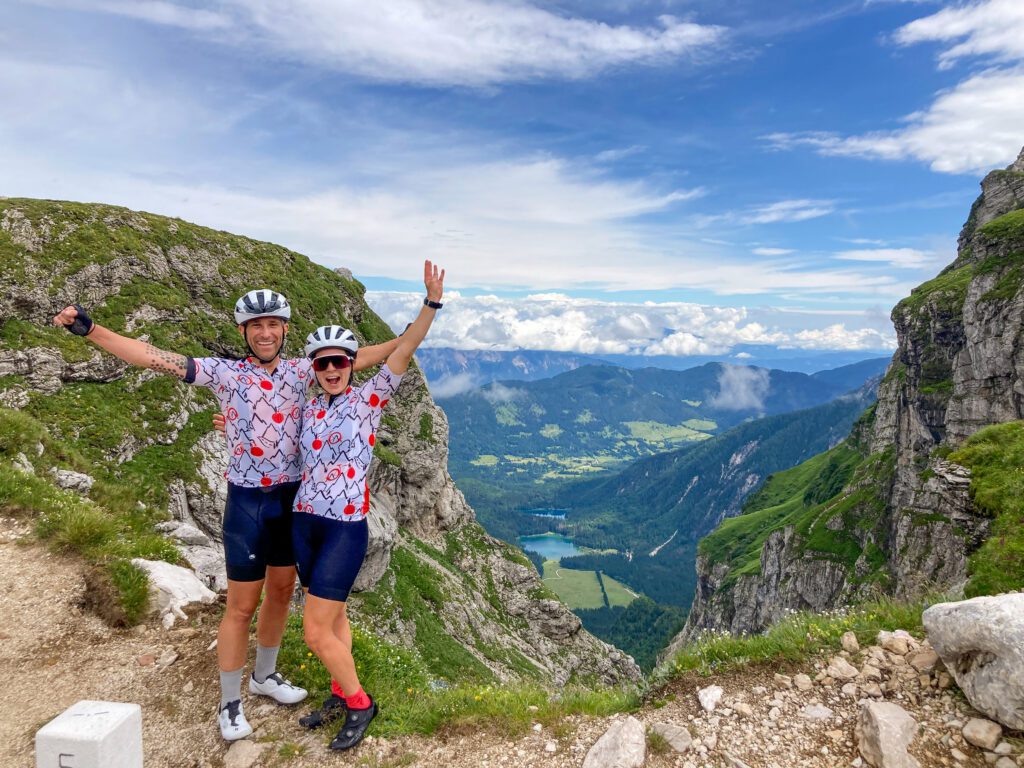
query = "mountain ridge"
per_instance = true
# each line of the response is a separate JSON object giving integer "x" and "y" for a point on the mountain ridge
{"x": 901, "y": 517}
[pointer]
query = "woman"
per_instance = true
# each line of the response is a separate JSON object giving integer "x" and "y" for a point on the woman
{"x": 330, "y": 532}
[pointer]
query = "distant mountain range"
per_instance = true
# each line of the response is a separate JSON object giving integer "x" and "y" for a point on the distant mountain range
{"x": 453, "y": 371}
{"x": 657, "y": 509}
{"x": 596, "y": 418}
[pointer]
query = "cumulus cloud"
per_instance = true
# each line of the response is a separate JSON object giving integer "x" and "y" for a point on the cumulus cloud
{"x": 498, "y": 393}
{"x": 432, "y": 42}
{"x": 741, "y": 388}
{"x": 993, "y": 29}
{"x": 969, "y": 128}
{"x": 452, "y": 385}
{"x": 838, "y": 336}
{"x": 561, "y": 323}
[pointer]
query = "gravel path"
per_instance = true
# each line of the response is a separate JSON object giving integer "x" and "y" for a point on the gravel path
{"x": 53, "y": 653}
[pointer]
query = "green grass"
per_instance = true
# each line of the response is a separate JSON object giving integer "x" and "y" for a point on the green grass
{"x": 947, "y": 291}
{"x": 667, "y": 434}
{"x": 995, "y": 456}
{"x": 1009, "y": 226}
{"x": 413, "y": 700}
{"x": 387, "y": 455}
{"x": 426, "y": 427}
{"x": 618, "y": 593}
{"x": 577, "y": 589}
{"x": 795, "y": 638}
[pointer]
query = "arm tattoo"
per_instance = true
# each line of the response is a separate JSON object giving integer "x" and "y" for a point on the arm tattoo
{"x": 166, "y": 362}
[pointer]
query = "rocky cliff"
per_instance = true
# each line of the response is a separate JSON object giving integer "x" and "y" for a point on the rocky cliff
{"x": 433, "y": 580}
{"x": 887, "y": 511}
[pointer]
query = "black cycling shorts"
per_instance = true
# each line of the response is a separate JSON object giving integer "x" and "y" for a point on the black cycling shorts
{"x": 258, "y": 530}
{"x": 329, "y": 553}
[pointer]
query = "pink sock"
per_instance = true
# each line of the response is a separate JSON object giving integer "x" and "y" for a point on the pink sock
{"x": 336, "y": 689}
{"x": 358, "y": 700}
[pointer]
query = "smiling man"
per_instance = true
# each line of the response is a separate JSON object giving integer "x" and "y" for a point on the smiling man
{"x": 262, "y": 397}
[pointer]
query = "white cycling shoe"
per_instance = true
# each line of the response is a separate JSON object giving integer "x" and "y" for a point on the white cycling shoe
{"x": 233, "y": 725}
{"x": 277, "y": 688}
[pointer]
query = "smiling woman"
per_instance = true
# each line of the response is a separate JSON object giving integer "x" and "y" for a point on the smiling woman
{"x": 330, "y": 528}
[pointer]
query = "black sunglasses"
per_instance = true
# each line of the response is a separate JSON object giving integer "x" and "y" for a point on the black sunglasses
{"x": 341, "y": 362}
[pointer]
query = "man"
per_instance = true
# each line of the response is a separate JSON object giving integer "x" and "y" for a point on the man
{"x": 262, "y": 398}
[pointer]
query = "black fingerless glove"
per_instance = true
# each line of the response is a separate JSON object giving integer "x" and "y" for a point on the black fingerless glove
{"x": 82, "y": 326}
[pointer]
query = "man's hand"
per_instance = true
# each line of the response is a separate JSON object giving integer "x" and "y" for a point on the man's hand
{"x": 75, "y": 319}
{"x": 219, "y": 421}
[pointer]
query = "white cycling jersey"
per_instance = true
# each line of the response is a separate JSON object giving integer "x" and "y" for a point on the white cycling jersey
{"x": 263, "y": 413}
{"x": 337, "y": 447}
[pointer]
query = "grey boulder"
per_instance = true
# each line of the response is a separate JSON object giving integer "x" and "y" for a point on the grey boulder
{"x": 981, "y": 642}
{"x": 884, "y": 731}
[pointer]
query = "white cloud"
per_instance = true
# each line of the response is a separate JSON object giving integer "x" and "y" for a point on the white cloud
{"x": 152, "y": 11}
{"x": 771, "y": 251}
{"x": 993, "y": 28}
{"x": 791, "y": 210}
{"x": 499, "y": 393}
{"x": 774, "y": 213}
{"x": 741, "y": 388}
{"x": 452, "y": 385}
{"x": 612, "y": 155}
{"x": 838, "y": 336}
{"x": 901, "y": 258}
{"x": 432, "y": 42}
{"x": 562, "y": 323}
{"x": 970, "y": 128}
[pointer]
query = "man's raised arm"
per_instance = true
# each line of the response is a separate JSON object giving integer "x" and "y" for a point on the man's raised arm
{"x": 133, "y": 351}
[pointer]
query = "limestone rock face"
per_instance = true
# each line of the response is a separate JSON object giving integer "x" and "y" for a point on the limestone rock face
{"x": 165, "y": 278}
{"x": 981, "y": 641}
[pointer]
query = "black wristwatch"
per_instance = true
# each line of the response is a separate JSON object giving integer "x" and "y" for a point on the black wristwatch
{"x": 432, "y": 304}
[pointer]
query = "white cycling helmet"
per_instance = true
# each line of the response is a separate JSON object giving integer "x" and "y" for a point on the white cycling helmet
{"x": 262, "y": 302}
{"x": 331, "y": 337}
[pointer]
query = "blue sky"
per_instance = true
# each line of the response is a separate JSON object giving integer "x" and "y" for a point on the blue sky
{"x": 611, "y": 176}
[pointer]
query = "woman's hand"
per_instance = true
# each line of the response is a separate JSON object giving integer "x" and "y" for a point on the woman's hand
{"x": 219, "y": 421}
{"x": 433, "y": 280}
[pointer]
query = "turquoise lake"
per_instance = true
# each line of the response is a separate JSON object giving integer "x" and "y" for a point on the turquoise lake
{"x": 549, "y": 546}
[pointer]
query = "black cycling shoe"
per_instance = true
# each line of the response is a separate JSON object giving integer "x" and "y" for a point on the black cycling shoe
{"x": 356, "y": 723}
{"x": 332, "y": 708}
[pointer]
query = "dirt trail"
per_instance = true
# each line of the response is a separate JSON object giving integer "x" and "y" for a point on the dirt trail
{"x": 53, "y": 653}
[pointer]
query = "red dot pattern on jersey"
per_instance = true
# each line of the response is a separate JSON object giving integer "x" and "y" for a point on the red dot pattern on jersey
{"x": 318, "y": 444}
{"x": 350, "y": 509}
{"x": 266, "y": 385}
{"x": 351, "y": 472}
{"x": 384, "y": 402}
{"x": 265, "y": 481}
{"x": 321, "y": 413}
{"x": 374, "y": 400}
{"x": 372, "y": 440}
{"x": 256, "y": 451}
{"x": 278, "y": 418}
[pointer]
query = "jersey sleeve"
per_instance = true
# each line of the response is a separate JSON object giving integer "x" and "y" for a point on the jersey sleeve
{"x": 209, "y": 372}
{"x": 375, "y": 393}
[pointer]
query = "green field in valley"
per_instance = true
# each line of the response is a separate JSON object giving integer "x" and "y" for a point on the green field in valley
{"x": 580, "y": 589}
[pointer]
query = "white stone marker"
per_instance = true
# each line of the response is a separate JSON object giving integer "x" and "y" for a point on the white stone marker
{"x": 92, "y": 734}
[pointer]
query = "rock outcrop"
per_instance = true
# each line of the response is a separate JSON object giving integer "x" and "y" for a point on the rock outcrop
{"x": 904, "y": 521}
{"x": 174, "y": 283}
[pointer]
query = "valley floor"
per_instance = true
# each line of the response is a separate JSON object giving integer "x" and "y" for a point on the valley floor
{"x": 54, "y": 653}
